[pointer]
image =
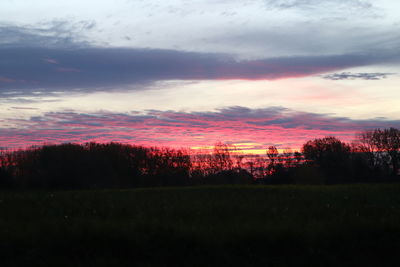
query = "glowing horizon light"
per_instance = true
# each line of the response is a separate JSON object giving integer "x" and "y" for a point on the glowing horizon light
{"x": 244, "y": 129}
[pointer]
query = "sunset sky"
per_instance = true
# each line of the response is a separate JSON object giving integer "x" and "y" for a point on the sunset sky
{"x": 191, "y": 73}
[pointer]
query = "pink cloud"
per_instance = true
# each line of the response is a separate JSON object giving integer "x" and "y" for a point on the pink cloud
{"x": 237, "y": 125}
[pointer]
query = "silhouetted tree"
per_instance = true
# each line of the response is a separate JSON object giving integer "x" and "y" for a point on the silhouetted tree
{"x": 6, "y": 178}
{"x": 298, "y": 157}
{"x": 222, "y": 157}
{"x": 375, "y": 154}
{"x": 388, "y": 140}
{"x": 380, "y": 147}
{"x": 331, "y": 155}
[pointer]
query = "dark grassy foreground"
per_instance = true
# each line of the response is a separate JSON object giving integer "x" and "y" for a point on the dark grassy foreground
{"x": 203, "y": 226}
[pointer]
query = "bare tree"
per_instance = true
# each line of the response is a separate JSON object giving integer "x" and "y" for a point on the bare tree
{"x": 222, "y": 157}
{"x": 388, "y": 140}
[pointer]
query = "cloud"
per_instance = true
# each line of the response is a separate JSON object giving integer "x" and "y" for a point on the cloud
{"x": 53, "y": 56}
{"x": 93, "y": 69}
{"x": 314, "y": 4}
{"x": 50, "y": 60}
{"x": 49, "y": 34}
{"x": 24, "y": 108}
{"x": 261, "y": 127}
{"x": 356, "y": 76}
{"x": 318, "y": 37}
{"x": 280, "y": 27}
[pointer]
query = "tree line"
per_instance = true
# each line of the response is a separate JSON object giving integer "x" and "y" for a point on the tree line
{"x": 374, "y": 156}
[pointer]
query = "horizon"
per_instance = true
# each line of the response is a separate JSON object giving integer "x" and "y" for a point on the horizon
{"x": 188, "y": 75}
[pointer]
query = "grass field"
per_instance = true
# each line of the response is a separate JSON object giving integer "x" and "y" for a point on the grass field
{"x": 203, "y": 226}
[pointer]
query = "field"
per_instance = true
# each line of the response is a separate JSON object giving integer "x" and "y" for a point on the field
{"x": 203, "y": 226}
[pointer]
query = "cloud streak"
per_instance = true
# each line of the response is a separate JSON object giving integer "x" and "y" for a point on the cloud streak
{"x": 357, "y": 76}
{"x": 261, "y": 127}
{"x": 313, "y": 4}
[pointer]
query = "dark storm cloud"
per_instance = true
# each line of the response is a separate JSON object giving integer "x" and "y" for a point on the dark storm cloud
{"x": 357, "y": 76}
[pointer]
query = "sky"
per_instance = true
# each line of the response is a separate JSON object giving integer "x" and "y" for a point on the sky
{"x": 189, "y": 74}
